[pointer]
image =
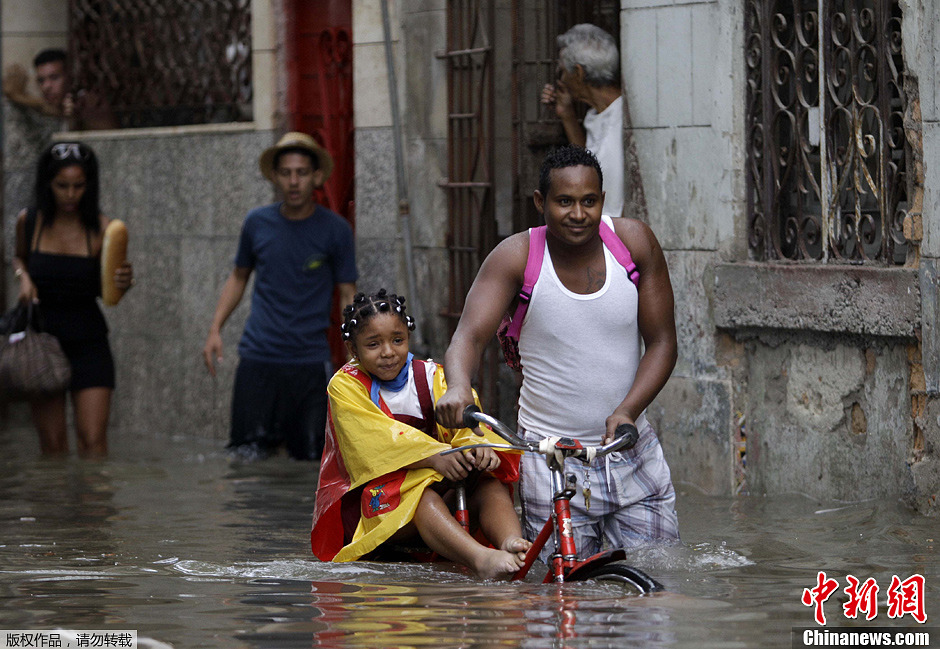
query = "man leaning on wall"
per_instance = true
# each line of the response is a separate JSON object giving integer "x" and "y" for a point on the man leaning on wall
{"x": 79, "y": 110}
{"x": 589, "y": 72}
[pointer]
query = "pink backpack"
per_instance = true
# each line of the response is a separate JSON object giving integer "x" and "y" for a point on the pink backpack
{"x": 509, "y": 328}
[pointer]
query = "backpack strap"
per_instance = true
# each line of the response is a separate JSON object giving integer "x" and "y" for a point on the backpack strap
{"x": 619, "y": 250}
{"x": 533, "y": 266}
{"x": 425, "y": 400}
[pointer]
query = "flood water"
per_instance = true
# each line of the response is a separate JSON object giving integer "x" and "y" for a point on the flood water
{"x": 168, "y": 538}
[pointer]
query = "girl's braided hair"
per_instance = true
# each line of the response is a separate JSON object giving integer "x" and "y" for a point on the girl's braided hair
{"x": 365, "y": 307}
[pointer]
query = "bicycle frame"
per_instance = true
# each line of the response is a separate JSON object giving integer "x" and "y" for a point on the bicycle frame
{"x": 564, "y": 562}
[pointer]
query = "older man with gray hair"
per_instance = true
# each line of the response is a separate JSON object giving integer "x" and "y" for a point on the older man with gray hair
{"x": 589, "y": 72}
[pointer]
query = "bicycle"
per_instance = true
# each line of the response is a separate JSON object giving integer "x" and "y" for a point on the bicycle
{"x": 565, "y": 565}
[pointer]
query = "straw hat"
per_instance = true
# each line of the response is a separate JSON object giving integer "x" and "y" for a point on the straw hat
{"x": 295, "y": 140}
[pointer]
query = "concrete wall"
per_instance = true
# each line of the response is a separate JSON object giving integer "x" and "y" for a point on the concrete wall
{"x": 417, "y": 30}
{"x": 679, "y": 62}
{"x": 831, "y": 373}
{"x": 184, "y": 216}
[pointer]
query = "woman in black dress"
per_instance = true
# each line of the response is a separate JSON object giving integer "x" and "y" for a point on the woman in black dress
{"x": 58, "y": 264}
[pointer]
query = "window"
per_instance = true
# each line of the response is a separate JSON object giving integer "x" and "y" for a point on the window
{"x": 827, "y": 154}
{"x": 164, "y": 63}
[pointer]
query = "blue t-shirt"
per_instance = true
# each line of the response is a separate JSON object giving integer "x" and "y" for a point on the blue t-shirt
{"x": 296, "y": 264}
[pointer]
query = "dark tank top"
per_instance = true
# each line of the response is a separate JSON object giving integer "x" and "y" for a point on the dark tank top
{"x": 68, "y": 287}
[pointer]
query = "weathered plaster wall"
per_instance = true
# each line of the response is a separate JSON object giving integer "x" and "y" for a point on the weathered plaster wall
{"x": 921, "y": 54}
{"x": 834, "y": 417}
{"x": 678, "y": 61}
{"x": 417, "y": 31}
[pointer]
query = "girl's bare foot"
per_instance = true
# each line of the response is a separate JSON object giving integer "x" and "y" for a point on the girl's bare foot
{"x": 498, "y": 564}
{"x": 516, "y": 545}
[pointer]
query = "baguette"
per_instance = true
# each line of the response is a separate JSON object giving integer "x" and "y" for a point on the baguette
{"x": 113, "y": 254}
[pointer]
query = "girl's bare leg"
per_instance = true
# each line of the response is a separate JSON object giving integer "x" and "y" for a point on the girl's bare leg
{"x": 497, "y": 516}
{"x": 92, "y": 408}
{"x": 49, "y": 419}
{"x": 443, "y": 534}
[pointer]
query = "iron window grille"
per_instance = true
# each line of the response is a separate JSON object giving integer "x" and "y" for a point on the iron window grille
{"x": 827, "y": 157}
{"x": 166, "y": 62}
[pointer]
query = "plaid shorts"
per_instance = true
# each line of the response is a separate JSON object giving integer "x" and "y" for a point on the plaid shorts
{"x": 636, "y": 507}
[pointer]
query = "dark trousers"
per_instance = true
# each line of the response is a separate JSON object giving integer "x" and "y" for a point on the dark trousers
{"x": 275, "y": 403}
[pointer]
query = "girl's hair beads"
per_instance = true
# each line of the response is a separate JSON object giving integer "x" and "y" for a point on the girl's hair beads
{"x": 366, "y": 307}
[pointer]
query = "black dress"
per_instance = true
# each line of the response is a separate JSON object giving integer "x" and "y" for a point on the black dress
{"x": 68, "y": 287}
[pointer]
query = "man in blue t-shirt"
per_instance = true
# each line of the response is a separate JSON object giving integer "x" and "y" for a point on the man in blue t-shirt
{"x": 300, "y": 251}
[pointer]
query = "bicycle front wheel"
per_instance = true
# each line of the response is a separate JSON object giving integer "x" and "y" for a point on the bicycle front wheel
{"x": 620, "y": 572}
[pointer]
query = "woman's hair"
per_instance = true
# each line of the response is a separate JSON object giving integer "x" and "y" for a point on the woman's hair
{"x": 365, "y": 307}
{"x": 594, "y": 50}
{"x": 568, "y": 155}
{"x": 53, "y": 160}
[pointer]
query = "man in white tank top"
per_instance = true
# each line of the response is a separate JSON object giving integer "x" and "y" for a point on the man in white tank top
{"x": 584, "y": 369}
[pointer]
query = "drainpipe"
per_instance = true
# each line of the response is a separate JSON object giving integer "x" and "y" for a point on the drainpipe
{"x": 404, "y": 210}
{"x": 3, "y": 230}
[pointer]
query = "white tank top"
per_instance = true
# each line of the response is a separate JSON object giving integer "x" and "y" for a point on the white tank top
{"x": 579, "y": 353}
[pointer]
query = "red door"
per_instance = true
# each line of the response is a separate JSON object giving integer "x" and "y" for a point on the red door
{"x": 320, "y": 99}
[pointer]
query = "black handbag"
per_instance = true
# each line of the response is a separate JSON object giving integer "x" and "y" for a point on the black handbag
{"x": 32, "y": 362}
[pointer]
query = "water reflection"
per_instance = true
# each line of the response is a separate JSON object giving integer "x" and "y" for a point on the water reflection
{"x": 168, "y": 538}
{"x": 350, "y": 614}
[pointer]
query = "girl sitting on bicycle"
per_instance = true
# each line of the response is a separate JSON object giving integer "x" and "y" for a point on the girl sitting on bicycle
{"x": 383, "y": 477}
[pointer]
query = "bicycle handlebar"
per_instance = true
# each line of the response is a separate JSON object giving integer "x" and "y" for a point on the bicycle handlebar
{"x": 472, "y": 415}
{"x": 626, "y": 435}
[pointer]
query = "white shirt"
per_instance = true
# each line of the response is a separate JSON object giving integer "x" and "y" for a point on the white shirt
{"x": 580, "y": 353}
{"x": 405, "y": 401}
{"x": 605, "y": 140}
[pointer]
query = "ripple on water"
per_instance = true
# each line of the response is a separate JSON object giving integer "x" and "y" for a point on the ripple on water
{"x": 311, "y": 570}
{"x": 682, "y": 558}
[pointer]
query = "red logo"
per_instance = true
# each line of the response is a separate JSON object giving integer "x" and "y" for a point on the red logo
{"x": 815, "y": 597}
{"x": 907, "y": 597}
{"x": 904, "y": 597}
{"x": 383, "y": 494}
{"x": 863, "y": 598}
